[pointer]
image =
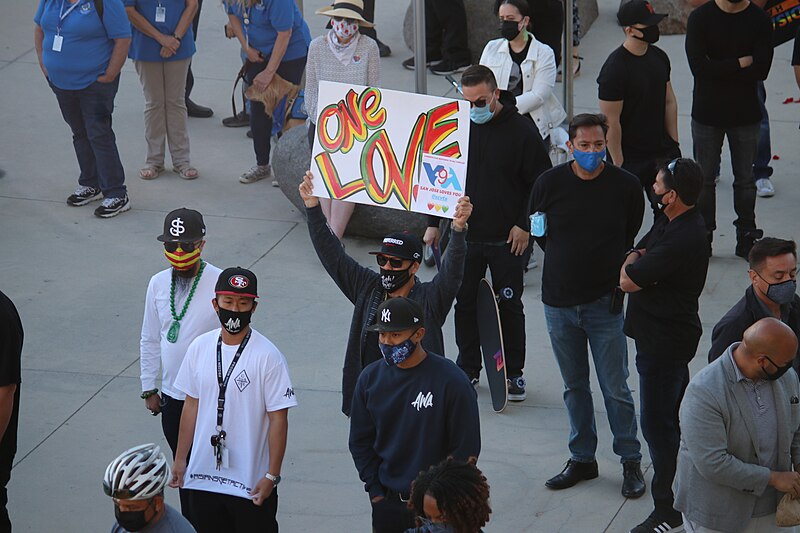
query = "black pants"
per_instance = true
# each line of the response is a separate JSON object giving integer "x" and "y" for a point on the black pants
{"x": 195, "y": 24}
{"x": 446, "y": 30}
{"x": 662, "y": 383}
{"x": 646, "y": 170}
{"x": 5, "y": 477}
{"x": 171, "y": 410}
{"x": 214, "y": 513}
{"x": 391, "y": 515}
{"x": 507, "y": 271}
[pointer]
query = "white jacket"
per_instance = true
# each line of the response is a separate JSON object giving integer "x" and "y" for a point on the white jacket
{"x": 538, "y": 79}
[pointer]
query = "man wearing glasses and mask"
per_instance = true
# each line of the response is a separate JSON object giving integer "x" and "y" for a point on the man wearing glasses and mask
{"x": 664, "y": 275}
{"x": 398, "y": 260}
{"x": 176, "y": 311}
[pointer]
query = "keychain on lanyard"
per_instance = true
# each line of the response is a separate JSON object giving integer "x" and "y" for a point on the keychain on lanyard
{"x": 58, "y": 39}
{"x": 218, "y": 440}
{"x": 161, "y": 12}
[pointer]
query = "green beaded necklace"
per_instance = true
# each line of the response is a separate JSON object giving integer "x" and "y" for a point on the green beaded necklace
{"x": 175, "y": 328}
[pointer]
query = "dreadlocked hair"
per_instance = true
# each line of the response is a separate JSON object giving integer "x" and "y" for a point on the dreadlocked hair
{"x": 461, "y": 493}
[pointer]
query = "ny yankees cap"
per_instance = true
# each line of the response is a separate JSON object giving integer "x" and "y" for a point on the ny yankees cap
{"x": 398, "y": 314}
{"x": 638, "y": 12}
{"x": 237, "y": 281}
{"x": 402, "y": 245}
{"x": 183, "y": 225}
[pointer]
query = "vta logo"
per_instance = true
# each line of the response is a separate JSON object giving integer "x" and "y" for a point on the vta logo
{"x": 442, "y": 177}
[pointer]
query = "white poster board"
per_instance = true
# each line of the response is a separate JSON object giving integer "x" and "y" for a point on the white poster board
{"x": 390, "y": 148}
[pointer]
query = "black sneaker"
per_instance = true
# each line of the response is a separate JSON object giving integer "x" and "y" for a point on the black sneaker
{"x": 573, "y": 473}
{"x": 474, "y": 382}
{"x": 445, "y": 67}
{"x": 239, "y": 121}
{"x": 633, "y": 485}
{"x": 661, "y": 523}
{"x": 408, "y": 64}
{"x": 84, "y": 195}
{"x": 745, "y": 241}
{"x": 516, "y": 389}
{"x": 112, "y": 207}
{"x": 197, "y": 110}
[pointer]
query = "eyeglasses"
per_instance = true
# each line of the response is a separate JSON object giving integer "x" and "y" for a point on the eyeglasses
{"x": 669, "y": 173}
{"x": 481, "y": 102}
{"x": 395, "y": 262}
{"x": 172, "y": 247}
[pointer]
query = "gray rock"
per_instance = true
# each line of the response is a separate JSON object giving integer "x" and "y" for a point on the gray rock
{"x": 483, "y": 24}
{"x": 291, "y": 158}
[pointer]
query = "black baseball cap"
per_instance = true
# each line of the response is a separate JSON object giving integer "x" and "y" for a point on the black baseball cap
{"x": 402, "y": 245}
{"x": 237, "y": 281}
{"x": 638, "y": 12}
{"x": 183, "y": 225}
{"x": 398, "y": 314}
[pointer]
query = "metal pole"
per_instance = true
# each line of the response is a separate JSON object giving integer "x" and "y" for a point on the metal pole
{"x": 420, "y": 70}
{"x": 566, "y": 64}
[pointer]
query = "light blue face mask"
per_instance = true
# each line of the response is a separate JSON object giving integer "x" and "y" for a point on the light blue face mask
{"x": 431, "y": 527}
{"x": 481, "y": 115}
{"x": 589, "y": 161}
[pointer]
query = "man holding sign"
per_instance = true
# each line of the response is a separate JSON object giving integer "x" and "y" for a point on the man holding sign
{"x": 399, "y": 260}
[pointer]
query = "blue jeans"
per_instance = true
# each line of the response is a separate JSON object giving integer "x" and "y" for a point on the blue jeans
{"x": 88, "y": 113}
{"x": 761, "y": 168}
{"x": 743, "y": 142}
{"x": 570, "y": 329}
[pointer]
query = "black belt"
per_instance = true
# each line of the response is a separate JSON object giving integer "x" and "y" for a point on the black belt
{"x": 402, "y": 496}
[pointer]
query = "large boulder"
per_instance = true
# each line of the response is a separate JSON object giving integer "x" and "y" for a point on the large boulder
{"x": 290, "y": 160}
{"x": 483, "y": 24}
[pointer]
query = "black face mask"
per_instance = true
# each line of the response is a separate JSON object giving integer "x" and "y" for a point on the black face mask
{"x": 773, "y": 376}
{"x": 131, "y": 520}
{"x": 650, "y": 34}
{"x": 509, "y": 29}
{"x": 391, "y": 280}
{"x": 234, "y": 321}
{"x": 658, "y": 198}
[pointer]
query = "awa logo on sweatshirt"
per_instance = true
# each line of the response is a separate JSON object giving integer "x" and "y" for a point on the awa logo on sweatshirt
{"x": 423, "y": 400}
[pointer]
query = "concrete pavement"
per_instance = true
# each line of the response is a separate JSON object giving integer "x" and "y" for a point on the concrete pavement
{"x": 79, "y": 282}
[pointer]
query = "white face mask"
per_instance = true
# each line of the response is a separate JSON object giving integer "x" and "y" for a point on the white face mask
{"x": 344, "y": 29}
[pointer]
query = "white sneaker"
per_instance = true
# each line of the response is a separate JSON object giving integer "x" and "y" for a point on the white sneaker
{"x": 257, "y": 173}
{"x": 764, "y": 188}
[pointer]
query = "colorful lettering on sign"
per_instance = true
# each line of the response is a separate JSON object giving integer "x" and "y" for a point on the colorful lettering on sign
{"x": 361, "y": 118}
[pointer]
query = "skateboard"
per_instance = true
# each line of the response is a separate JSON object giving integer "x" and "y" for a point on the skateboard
{"x": 491, "y": 334}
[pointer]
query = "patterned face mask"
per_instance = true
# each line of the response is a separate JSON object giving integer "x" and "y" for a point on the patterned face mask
{"x": 344, "y": 29}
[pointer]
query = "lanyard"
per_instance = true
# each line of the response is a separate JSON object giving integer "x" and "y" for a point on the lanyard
{"x": 223, "y": 384}
{"x": 62, "y": 15}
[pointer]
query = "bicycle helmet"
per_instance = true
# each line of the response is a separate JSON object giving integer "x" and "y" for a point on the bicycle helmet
{"x": 137, "y": 474}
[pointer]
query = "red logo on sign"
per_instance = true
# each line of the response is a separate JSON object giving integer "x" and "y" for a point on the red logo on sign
{"x": 238, "y": 281}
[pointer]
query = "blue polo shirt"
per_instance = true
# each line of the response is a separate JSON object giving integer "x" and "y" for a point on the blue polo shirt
{"x": 87, "y": 41}
{"x": 267, "y": 18}
{"x": 144, "y": 48}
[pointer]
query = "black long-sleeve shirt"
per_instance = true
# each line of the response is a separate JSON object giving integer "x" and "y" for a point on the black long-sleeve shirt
{"x": 724, "y": 93}
{"x": 404, "y": 421}
{"x": 590, "y": 225}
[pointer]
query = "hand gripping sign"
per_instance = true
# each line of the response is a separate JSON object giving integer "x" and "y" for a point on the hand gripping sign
{"x": 390, "y": 148}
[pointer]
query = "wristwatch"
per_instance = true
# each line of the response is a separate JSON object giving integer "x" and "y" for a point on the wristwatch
{"x": 275, "y": 479}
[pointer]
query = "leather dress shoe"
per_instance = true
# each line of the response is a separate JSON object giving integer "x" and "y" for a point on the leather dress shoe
{"x": 633, "y": 485}
{"x": 197, "y": 111}
{"x": 573, "y": 473}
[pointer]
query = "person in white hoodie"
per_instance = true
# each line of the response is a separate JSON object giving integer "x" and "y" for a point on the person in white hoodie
{"x": 525, "y": 67}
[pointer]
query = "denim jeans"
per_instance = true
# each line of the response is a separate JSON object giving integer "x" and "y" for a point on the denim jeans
{"x": 743, "y": 142}
{"x": 761, "y": 168}
{"x": 88, "y": 114}
{"x": 507, "y": 271}
{"x": 260, "y": 123}
{"x": 570, "y": 329}
{"x": 662, "y": 384}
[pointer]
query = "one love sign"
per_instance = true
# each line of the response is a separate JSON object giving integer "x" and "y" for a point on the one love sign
{"x": 390, "y": 148}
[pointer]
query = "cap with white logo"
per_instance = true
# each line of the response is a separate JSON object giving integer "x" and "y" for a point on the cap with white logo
{"x": 402, "y": 245}
{"x": 398, "y": 314}
{"x": 237, "y": 281}
{"x": 183, "y": 225}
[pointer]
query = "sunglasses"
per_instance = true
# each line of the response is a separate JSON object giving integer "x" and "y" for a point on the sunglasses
{"x": 395, "y": 262}
{"x": 481, "y": 102}
{"x": 172, "y": 247}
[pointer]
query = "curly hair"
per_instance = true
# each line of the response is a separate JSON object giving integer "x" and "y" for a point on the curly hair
{"x": 461, "y": 493}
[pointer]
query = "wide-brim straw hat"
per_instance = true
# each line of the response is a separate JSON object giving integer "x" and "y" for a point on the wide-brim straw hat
{"x": 351, "y": 9}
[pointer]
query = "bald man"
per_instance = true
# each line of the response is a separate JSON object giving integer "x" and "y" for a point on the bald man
{"x": 740, "y": 441}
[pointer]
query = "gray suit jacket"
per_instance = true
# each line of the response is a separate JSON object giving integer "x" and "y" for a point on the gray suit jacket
{"x": 718, "y": 478}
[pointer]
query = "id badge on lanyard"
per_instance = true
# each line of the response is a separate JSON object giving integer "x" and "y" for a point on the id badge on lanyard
{"x": 58, "y": 39}
{"x": 161, "y": 13}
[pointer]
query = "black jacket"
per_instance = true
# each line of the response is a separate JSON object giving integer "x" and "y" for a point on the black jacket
{"x": 741, "y": 316}
{"x": 362, "y": 286}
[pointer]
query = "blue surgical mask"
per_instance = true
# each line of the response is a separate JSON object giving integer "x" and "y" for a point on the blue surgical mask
{"x": 589, "y": 161}
{"x": 397, "y": 353}
{"x": 481, "y": 115}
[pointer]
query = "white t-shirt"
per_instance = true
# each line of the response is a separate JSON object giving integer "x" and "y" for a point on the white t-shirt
{"x": 258, "y": 384}
{"x": 154, "y": 349}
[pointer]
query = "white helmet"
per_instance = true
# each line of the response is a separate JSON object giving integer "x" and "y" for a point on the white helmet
{"x": 137, "y": 474}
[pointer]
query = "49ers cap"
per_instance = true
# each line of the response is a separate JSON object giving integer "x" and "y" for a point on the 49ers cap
{"x": 237, "y": 281}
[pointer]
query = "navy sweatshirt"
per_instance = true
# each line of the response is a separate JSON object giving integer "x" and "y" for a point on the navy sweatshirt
{"x": 403, "y": 421}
